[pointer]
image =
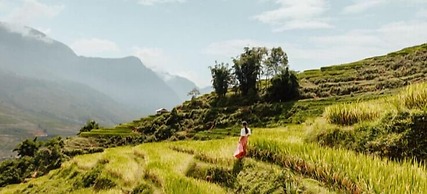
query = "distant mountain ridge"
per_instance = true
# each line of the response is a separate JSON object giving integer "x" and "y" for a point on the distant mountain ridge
{"x": 180, "y": 85}
{"x": 126, "y": 80}
{"x": 44, "y": 85}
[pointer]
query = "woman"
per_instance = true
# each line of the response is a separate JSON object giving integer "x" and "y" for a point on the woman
{"x": 245, "y": 132}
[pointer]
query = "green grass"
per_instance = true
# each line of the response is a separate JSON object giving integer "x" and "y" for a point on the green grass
{"x": 375, "y": 74}
{"x": 162, "y": 167}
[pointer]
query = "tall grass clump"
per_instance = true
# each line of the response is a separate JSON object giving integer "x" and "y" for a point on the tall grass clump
{"x": 347, "y": 171}
{"x": 414, "y": 96}
{"x": 351, "y": 113}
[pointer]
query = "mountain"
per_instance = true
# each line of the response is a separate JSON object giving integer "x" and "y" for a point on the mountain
{"x": 46, "y": 88}
{"x": 180, "y": 85}
{"x": 28, "y": 52}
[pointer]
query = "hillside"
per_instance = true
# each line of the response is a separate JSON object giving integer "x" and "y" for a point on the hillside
{"x": 46, "y": 88}
{"x": 30, "y": 53}
{"x": 380, "y": 73}
{"x": 279, "y": 161}
{"x": 207, "y": 112}
{"x": 30, "y": 107}
{"x": 338, "y": 144}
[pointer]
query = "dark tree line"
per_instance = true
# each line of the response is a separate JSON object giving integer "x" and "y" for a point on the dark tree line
{"x": 257, "y": 72}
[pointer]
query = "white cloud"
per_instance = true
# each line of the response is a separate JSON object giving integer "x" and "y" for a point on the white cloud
{"x": 94, "y": 46}
{"x": 336, "y": 49}
{"x": 362, "y": 5}
{"x": 32, "y": 10}
{"x": 153, "y": 2}
{"x": 359, "y": 6}
{"x": 154, "y": 58}
{"x": 46, "y": 31}
{"x": 2, "y": 5}
{"x": 158, "y": 60}
{"x": 296, "y": 14}
{"x": 26, "y": 32}
{"x": 358, "y": 44}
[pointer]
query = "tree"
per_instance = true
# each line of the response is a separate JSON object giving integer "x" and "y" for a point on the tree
{"x": 27, "y": 148}
{"x": 221, "y": 77}
{"x": 193, "y": 93}
{"x": 90, "y": 124}
{"x": 50, "y": 156}
{"x": 248, "y": 67}
{"x": 276, "y": 62}
{"x": 284, "y": 87}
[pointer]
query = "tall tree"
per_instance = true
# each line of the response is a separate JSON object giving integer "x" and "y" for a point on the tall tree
{"x": 221, "y": 78}
{"x": 276, "y": 62}
{"x": 248, "y": 67}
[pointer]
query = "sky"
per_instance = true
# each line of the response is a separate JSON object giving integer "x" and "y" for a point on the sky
{"x": 185, "y": 37}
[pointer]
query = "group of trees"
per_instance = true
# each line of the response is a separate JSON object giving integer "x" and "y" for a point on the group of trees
{"x": 258, "y": 71}
{"x": 35, "y": 158}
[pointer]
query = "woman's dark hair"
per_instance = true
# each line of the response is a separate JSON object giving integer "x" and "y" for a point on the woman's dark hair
{"x": 244, "y": 123}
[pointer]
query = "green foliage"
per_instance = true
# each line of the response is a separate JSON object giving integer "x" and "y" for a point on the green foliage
{"x": 10, "y": 174}
{"x": 247, "y": 69}
{"x": 284, "y": 87}
{"x": 27, "y": 148}
{"x": 221, "y": 78}
{"x": 90, "y": 125}
{"x": 394, "y": 127}
{"x": 38, "y": 160}
{"x": 276, "y": 62}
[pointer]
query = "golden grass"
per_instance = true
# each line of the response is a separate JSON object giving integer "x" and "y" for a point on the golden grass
{"x": 411, "y": 97}
{"x": 351, "y": 113}
{"x": 414, "y": 96}
{"x": 164, "y": 168}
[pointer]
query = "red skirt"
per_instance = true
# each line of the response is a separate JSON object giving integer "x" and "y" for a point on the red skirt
{"x": 241, "y": 148}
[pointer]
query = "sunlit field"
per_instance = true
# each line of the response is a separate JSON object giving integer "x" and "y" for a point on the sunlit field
{"x": 164, "y": 168}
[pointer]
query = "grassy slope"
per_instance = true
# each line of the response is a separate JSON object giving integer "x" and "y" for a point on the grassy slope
{"x": 163, "y": 168}
{"x": 380, "y": 73}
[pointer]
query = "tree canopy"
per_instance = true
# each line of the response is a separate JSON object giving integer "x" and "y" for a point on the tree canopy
{"x": 279, "y": 83}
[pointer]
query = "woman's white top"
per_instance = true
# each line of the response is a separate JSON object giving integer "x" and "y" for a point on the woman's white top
{"x": 243, "y": 132}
